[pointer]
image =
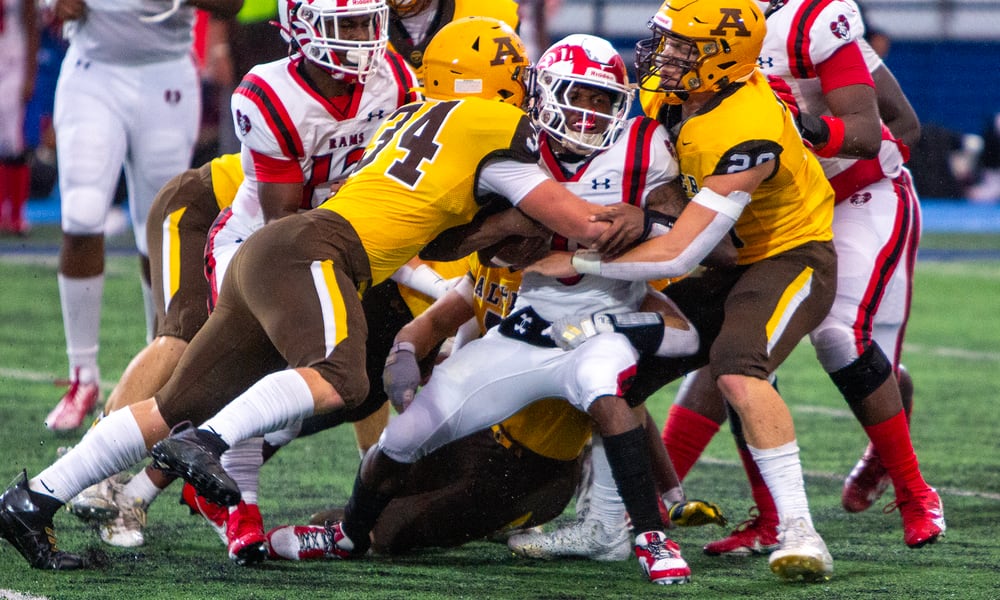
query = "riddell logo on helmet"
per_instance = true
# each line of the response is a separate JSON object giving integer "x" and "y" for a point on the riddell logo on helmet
{"x": 596, "y": 73}
{"x": 361, "y": 3}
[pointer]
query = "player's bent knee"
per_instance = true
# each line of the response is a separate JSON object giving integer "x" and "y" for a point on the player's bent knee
{"x": 835, "y": 346}
{"x": 859, "y": 379}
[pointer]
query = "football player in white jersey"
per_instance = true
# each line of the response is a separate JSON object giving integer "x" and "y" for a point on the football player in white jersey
{"x": 304, "y": 121}
{"x": 842, "y": 88}
{"x": 128, "y": 94}
{"x": 583, "y": 95}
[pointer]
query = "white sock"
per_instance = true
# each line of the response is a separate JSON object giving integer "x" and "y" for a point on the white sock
{"x": 606, "y": 505}
{"x": 284, "y": 436}
{"x": 81, "y": 309}
{"x": 143, "y": 488}
{"x": 243, "y": 462}
{"x": 782, "y": 472}
{"x": 150, "y": 310}
{"x": 275, "y": 402}
{"x": 112, "y": 446}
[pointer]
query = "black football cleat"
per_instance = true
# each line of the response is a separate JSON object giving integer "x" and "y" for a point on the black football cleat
{"x": 26, "y": 522}
{"x": 194, "y": 455}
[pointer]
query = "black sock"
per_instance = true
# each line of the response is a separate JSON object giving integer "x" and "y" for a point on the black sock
{"x": 630, "y": 464}
{"x": 362, "y": 510}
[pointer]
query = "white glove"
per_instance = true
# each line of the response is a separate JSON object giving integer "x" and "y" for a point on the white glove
{"x": 569, "y": 332}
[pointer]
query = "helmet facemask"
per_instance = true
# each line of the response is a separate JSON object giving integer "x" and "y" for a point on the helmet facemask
{"x": 344, "y": 38}
{"x": 580, "y": 130}
{"x": 668, "y": 62}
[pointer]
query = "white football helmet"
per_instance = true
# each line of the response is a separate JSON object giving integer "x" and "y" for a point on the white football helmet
{"x": 346, "y": 38}
{"x": 580, "y": 60}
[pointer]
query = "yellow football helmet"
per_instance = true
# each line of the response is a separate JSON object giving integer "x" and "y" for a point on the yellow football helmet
{"x": 699, "y": 46}
{"x": 475, "y": 57}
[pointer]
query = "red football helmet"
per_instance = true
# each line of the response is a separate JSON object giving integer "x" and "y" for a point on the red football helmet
{"x": 575, "y": 61}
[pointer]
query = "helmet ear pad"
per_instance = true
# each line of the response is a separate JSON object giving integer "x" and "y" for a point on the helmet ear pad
{"x": 476, "y": 57}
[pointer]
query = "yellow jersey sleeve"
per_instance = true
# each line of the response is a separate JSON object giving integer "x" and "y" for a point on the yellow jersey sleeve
{"x": 227, "y": 175}
{"x": 418, "y": 176}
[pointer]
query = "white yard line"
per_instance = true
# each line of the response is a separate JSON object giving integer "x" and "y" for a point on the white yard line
{"x": 14, "y": 595}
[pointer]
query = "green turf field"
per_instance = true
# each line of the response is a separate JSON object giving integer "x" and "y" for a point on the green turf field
{"x": 952, "y": 351}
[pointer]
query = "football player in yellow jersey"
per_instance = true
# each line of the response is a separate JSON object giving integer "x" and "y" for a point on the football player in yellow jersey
{"x": 291, "y": 296}
{"x": 745, "y": 169}
{"x": 519, "y": 473}
{"x": 412, "y": 23}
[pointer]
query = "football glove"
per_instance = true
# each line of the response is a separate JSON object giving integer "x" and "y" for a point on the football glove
{"x": 695, "y": 513}
{"x": 401, "y": 375}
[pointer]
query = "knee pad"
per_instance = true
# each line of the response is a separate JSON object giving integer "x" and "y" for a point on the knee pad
{"x": 84, "y": 210}
{"x": 835, "y": 345}
{"x": 859, "y": 379}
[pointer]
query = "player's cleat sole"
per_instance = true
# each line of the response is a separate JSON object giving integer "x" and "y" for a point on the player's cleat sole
{"x": 96, "y": 503}
{"x": 26, "y": 522}
{"x": 193, "y": 455}
{"x": 245, "y": 531}
{"x": 696, "y": 513}
{"x": 802, "y": 556}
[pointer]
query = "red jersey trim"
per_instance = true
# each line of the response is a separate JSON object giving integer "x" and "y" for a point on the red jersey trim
{"x": 277, "y": 118}
{"x": 845, "y": 67}
{"x": 637, "y": 160}
{"x": 276, "y": 170}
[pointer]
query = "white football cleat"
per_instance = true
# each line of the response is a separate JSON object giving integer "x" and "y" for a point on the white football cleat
{"x": 588, "y": 538}
{"x": 803, "y": 555}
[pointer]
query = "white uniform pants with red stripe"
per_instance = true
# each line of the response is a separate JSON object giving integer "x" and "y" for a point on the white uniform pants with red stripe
{"x": 876, "y": 233}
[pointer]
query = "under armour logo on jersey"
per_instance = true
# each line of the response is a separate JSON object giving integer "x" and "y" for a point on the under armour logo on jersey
{"x": 841, "y": 28}
{"x": 522, "y": 325}
{"x": 604, "y": 185}
{"x": 376, "y": 114}
{"x": 860, "y": 199}
{"x": 242, "y": 123}
{"x": 765, "y": 63}
{"x": 732, "y": 18}
{"x": 172, "y": 96}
